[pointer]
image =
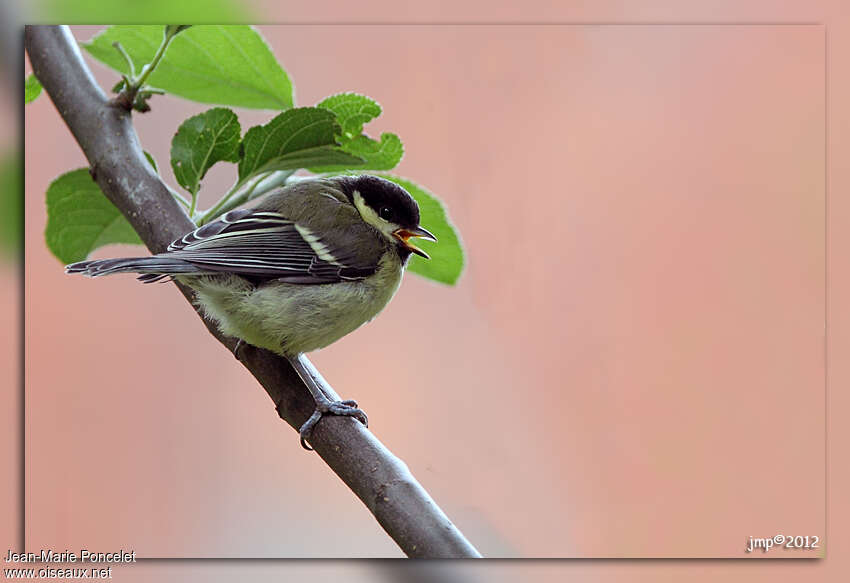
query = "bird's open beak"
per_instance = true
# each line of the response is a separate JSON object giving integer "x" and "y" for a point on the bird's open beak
{"x": 404, "y": 235}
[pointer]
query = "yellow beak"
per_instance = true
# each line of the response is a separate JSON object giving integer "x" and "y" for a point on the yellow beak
{"x": 404, "y": 235}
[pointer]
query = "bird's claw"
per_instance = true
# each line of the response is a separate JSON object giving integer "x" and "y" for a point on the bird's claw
{"x": 346, "y": 408}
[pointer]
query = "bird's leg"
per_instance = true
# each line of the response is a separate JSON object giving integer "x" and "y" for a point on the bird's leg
{"x": 324, "y": 404}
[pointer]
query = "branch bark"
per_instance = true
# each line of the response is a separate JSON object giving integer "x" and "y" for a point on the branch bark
{"x": 106, "y": 135}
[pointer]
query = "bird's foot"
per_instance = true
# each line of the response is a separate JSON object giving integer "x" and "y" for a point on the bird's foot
{"x": 325, "y": 406}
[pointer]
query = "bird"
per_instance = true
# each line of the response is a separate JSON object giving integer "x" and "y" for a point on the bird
{"x": 313, "y": 261}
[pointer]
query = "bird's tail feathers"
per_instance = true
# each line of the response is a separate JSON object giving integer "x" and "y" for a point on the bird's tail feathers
{"x": 151, "y": 268}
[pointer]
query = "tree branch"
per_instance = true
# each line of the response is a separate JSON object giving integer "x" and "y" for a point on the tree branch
{"x": 106, "y": 135}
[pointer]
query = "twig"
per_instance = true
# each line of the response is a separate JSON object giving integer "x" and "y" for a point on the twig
{"x": 130, "y": 97}
{"x": 106, "y": 135}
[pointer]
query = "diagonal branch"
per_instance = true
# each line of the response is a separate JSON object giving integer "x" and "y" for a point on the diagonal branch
{"x": 106, "y": 135}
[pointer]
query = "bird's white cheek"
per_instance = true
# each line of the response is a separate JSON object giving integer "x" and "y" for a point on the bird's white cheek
{"x": 371, "y": 217}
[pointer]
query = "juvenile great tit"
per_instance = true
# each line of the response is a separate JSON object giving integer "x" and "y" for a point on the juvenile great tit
{"x": 314, "y": 261}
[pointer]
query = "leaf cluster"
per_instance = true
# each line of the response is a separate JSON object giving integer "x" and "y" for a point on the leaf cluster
{"x": 233, "y": 66}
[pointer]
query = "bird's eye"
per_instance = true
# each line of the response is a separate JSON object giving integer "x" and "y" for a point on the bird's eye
{"x": 386, "y": 213}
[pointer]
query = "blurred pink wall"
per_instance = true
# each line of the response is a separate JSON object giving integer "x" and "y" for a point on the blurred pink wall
{"x": 643, "y": 209}
{"x": 644, "y": 212}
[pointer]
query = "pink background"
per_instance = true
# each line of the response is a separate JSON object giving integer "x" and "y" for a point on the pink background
{"x": 663, "y": 390}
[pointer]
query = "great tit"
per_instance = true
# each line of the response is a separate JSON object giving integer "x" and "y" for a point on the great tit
{"x": 315, "y": 260}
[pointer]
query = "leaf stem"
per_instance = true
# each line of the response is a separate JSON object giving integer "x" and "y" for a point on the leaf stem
{"x": 216, "y": 209}
{"x": 183, "y": 202}
{"x": 228, "y": 202}
{"x": 193, "y": 204}
{"x": 132, "y": 96}
{"x": 169, "y": 34}
{"x": 270, "y": 182}
{"x": 129, "y": 61}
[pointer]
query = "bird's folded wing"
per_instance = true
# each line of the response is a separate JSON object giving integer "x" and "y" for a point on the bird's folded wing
{"x": 268, "y": 245}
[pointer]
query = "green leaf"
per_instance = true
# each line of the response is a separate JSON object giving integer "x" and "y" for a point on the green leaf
{"x": 32, "y": 89}
{"x": 174, "y": 29}
{"x": 200, "y": 142}
{"x": 151, "y": 161}
{"x": 307, "y": 158}
{"x": 11, "y": 202}
{"x": 447, "y": 257}
{"x": 383, "y": 155}
{"x": 80, "y": 218}
{"x": 297, "y": 138}
{"x": 352, "y": 111}
{"x": 130, "y": 11}
{"x": 224, "y": 64}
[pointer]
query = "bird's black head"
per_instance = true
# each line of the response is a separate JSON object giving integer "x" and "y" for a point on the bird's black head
{"x": 389, "y": 208}
{"x": 387, "y": 199}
